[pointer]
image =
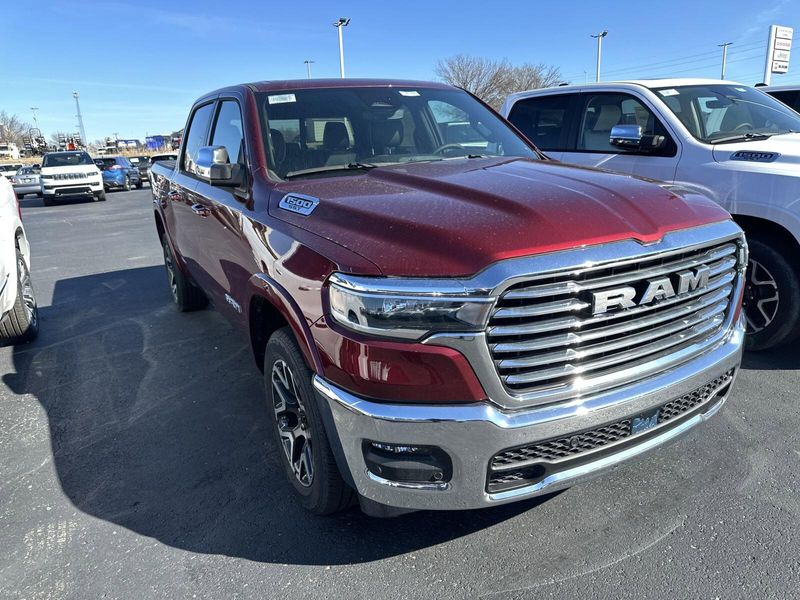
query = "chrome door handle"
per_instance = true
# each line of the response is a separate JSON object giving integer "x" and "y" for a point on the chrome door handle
{"x": 200, "y": 210}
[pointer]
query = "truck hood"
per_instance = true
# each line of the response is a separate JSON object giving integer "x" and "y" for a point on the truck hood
{"x": 785, "y": 151}
{"x": 455, "y": 217}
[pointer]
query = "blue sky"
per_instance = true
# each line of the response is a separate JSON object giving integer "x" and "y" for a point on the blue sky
{"x": 139, "y": 65}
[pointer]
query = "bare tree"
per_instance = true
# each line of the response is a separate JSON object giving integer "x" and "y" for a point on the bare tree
{"x": 493, "y": 80}
{"x": 12, "y": 129}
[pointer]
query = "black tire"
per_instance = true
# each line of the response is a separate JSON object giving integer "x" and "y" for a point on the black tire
{"x": 49, "y": 200}
{"x": 139, "y": 185}
{"x": 100, "y": 196}
{"x": 325, "y": 492}
{"x": 127, "y": 186}
{"x": 771, "y": 297}
{"x": 21, "y": 324}
{"x": 39, "y": 195}
{"x": 187, "y": 296}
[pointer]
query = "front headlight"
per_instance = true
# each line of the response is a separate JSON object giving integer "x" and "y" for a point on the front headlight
{"x": 366, "y": 305}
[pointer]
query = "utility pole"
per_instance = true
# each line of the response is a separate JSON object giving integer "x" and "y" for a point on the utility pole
{"x": 80, "y": 118}
{"x": 599, "y": 37}
{"x": 308, "y": 67}
{"x": 724, "y": 57}
{"x": 35, "y": 120}
{"x": 342, "y": 22}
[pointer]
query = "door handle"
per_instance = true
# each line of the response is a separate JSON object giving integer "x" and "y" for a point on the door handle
{"x": 200, "y": 210}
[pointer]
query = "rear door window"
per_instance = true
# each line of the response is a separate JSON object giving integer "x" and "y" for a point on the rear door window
{"x": 544, "y": 120}
{"x": 196, "y": 135}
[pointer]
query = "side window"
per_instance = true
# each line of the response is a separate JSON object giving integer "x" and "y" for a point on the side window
{"x": 228, "y": 131}
{"x": 601, "y": 112}
{"x": 790, "y": 98}
{"x": 196, "y": 136}
{"x": 543, "y": 120}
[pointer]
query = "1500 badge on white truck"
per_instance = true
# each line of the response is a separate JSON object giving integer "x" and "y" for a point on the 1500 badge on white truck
{"x": 725, "y": 140}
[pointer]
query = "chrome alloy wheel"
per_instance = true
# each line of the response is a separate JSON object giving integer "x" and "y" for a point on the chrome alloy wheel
{"x": 28, "y": 299}
{"x": 293, "y": 425}
{"x": 761, "y": 297}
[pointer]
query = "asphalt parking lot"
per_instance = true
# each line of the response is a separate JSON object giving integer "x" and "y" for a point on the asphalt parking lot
{"x": 135, "y": 463}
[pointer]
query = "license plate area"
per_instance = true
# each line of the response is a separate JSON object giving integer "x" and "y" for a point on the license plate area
{"x": 644, "y": 422}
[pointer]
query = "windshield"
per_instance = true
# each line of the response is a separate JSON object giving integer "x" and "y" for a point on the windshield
{"x": 316, "y": 131}
{"x": 67, "y": 159}
{"x": 719, "y": 113}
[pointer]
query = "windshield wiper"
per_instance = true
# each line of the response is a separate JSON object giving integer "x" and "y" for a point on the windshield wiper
{"x": 741, "y": 137}
{"x": 353, "y": 166}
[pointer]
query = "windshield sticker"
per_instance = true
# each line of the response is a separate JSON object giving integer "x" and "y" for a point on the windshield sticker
{"x": 409, "y": 93}
{"x": 282, "y": 98}
{"x": 740, "y": 89}
{"x": 668, "y": 93}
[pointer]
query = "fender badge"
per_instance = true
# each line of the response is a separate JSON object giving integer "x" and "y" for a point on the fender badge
{"x": 299, "y": 203}
{"x": 754, "y": 156}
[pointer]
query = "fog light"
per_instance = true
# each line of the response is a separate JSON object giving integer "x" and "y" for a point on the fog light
{"x": 408, "y": 464}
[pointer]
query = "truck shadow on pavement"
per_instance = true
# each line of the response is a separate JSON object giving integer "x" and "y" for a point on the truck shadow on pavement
{"x": 158, "y": 424}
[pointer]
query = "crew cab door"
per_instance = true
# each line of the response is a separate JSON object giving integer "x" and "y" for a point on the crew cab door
{"x": 597, "y": 113}
{"x": 220, "y": 252}
{"x": 546, "y": 121}
{"x": 189, "y": 228}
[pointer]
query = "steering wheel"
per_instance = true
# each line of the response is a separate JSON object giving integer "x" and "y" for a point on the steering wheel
{"x": 740, "y": 126}
{"x": 441, "y": 149}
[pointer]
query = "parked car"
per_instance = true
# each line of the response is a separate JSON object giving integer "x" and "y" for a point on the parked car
{"x": 788, "y": 94}
{"x": 118, "y": 173}
{"x": 164, "y": 157}
{"x": 19, "y": 314}
{"x": 143, "y": 164}
{"x": 720, "y": 138}
{"x": 437, "y": 328}
{"x": 10, "y": 169}
{"x": 68, "y": 174}
{"x": 26, "y": 181}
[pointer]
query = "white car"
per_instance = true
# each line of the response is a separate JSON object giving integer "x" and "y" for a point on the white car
{"x": 731, "y": 142}
{"x": 19, "y": 315}
{"x": 71, "y": 173}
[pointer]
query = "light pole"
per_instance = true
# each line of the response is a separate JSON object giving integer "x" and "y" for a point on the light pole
{"x": 308, "y": 67}
{"x": 342, "y": 22}
{"x": 80, "y": 118}
{"x": 35, "y": 120}
{"x": 599, "y": 37}
{"x": 724, "y": 57}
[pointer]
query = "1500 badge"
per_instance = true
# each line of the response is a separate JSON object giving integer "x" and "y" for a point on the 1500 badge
{"x": 299, "y": 203}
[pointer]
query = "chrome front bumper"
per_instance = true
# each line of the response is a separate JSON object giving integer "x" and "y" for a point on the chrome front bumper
{"x": 472, "y": 434}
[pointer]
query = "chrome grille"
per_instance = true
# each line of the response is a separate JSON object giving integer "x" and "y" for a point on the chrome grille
{"x": 520, "y": 466}
{"x": 543, "y": 336}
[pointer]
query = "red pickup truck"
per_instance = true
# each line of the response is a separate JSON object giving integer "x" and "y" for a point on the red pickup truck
{"x": 444, "y": 317}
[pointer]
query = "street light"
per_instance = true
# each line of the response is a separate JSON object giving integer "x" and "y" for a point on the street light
{"x": 342, "y": 22}
{"x": 80, "y": 117}
{"x": 308, "y": 67}
{"x": 724, "y": 57}
{"x": 599, "y": 37}
{"x": 35, "y": 120}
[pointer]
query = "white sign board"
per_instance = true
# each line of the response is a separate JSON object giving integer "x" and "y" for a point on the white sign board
{"x": 779, "y": 48}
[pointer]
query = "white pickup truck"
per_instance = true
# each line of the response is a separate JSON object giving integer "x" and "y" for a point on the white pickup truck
{"x": 19, "y": 315}
{"x": 729, "y": 141}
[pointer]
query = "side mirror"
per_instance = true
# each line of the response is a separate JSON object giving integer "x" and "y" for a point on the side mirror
{"x": 626, "y": 136}
{"x": 214, "y": 165}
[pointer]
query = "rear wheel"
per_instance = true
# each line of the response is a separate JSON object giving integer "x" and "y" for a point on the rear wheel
{"x": 21, "y": 324}
{"x": 298, "y": 431}
{"x": 771, "y": 297}
{"x": 185, "y": 294}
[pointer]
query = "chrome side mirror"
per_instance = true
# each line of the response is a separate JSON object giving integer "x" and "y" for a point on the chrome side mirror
{"x": 214, "y": 165}
{"x": 626, "y": 136}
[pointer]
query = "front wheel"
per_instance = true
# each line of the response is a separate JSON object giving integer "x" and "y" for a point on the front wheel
{"x": 139, "y": 184}
{"x": 100, "y": 196}
{"x": 771, "y": 297}
{"x": 21, "y": 324}
{"x": 302, "y": 443}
